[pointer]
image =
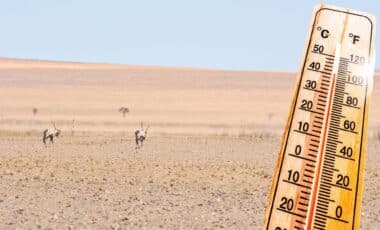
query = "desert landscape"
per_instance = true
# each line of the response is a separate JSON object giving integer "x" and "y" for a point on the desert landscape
{"x": 207, "y": 162}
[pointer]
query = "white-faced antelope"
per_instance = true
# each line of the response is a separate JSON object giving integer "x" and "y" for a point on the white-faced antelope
{"x": 140, "y": 136}
{"x": 50, "y": 134}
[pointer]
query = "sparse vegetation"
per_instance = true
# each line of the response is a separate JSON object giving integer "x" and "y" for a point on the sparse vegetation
{"x": 35, "y": 111}
{"x": 124, "y": 111}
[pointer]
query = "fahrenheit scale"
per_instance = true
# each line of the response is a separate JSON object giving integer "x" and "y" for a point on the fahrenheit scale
{"x": 319, "y": 175}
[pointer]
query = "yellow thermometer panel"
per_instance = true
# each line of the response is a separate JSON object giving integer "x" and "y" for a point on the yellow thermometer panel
{"x": 318, "y": 179}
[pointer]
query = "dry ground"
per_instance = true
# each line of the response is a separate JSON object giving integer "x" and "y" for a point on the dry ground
{"x": 207, "y": 163}
{"x": 98, "y": 181}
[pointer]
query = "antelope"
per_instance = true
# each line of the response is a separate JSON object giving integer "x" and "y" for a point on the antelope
{"x": 140, "y": 136}
{"x": 50, "y": 134}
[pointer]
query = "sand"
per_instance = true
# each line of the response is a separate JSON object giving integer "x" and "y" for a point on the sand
{"x": 207, "y": 163}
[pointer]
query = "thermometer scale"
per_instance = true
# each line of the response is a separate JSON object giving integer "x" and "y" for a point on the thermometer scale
{"x": 319, "y": 175}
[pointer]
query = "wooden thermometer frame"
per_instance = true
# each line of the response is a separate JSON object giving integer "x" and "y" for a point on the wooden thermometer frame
{"x": 318, "y": 178}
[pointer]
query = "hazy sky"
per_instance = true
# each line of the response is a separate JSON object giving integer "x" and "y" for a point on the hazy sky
{"x": 234, "y": 34}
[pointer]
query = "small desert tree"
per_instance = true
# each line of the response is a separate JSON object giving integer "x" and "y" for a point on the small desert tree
{"x": 34, "y": 111}
{"x": 123, "y": 110}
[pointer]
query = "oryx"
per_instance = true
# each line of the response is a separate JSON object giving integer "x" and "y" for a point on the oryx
{"x": 50, "y": 134}
{"x": 140, "y": 136}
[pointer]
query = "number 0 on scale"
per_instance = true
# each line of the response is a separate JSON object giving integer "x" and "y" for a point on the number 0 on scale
{"x": 319, "y": 175}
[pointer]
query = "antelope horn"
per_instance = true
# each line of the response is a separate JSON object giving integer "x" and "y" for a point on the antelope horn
{"x": 53, "y": 124}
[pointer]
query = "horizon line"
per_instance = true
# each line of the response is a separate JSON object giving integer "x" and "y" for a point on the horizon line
{"x": 122, "y": 65}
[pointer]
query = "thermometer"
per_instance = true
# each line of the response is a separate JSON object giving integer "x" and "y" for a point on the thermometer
{"x": 318, "y": 178}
